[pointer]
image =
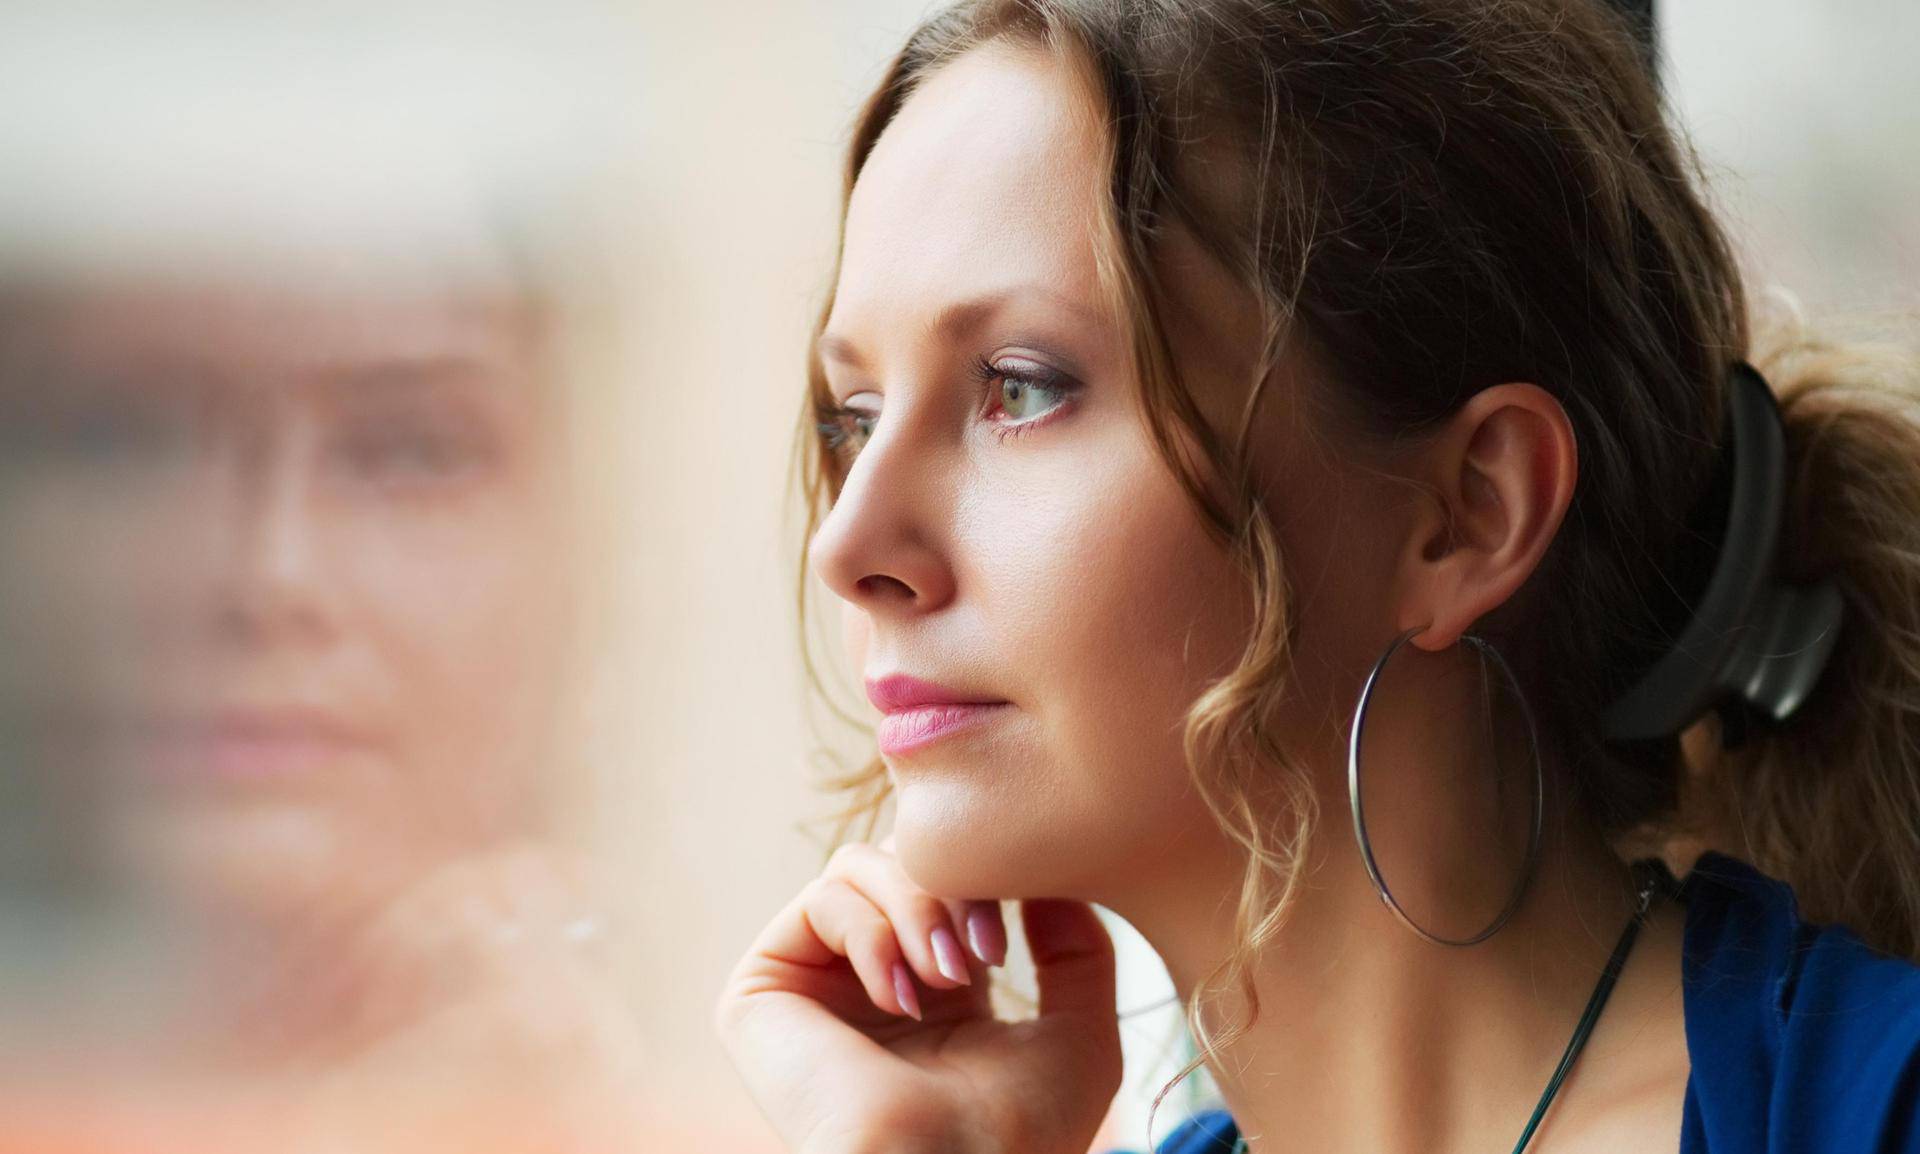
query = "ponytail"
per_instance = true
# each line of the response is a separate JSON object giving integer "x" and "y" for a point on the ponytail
{"x": 1830, "y": 801}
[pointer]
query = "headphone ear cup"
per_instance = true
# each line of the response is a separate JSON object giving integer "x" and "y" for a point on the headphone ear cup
{"x": 1788, "y": 645}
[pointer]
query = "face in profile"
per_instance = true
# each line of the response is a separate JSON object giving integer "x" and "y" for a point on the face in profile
{"x": 281, "y": 583}
{"x": 1007, "y": 531}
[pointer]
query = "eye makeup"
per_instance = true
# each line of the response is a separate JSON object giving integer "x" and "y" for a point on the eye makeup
{"x": 1013, "y": 386}
{"x": 1016, "y": 383}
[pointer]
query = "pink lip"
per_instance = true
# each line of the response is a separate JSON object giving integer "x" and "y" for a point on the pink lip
{"x": 245, "y": 745}
{"x": 921, "y": 712}
{"x": 909, "y": 729}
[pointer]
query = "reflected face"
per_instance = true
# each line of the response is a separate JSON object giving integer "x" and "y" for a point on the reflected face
{"x": 1007, "y": 535}
{"x": 280, "y": 579}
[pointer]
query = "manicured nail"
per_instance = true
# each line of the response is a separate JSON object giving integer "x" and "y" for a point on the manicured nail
{"x": 947, "y": 955}
{"x": 903, "y": 989}
{"x": 988, "y": 937}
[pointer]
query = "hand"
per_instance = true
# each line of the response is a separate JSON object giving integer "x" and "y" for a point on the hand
{"x": 851, "y": 1039}
{"x": 469, "y": 1013}
{"x": 472, "y": 1012}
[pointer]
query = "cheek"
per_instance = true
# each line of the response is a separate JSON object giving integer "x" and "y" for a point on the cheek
{"x": 1156, "y": 613}
{"x": 96, "y": 580}
{"x": 465, "y": 621}
{"x": 1110, "y": 609}
{"x": 447, "y": 641}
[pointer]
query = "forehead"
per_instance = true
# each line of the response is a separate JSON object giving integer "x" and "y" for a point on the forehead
{"x": 990, "y": 173}
{"x": 250, "y": 334}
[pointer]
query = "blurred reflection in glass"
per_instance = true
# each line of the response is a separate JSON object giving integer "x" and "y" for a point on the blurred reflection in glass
{"x": 284, "y": 596}
{"x": 289, "y": 611}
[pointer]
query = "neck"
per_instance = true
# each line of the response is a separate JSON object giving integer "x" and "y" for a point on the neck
{"x": 1372, "y": 1038}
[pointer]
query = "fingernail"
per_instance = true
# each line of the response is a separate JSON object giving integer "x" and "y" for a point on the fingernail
{"x": 947, "y": 955}
{"x": 988, "y": 938}
{"x": 903, "y": 989}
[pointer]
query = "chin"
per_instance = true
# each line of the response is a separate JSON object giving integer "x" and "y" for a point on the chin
{"x": 262, "y": 866}
{"x": 959, "y": 840}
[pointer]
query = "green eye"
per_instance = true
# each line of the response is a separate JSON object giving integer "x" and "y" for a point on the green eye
{"x": 1024, "y": 398}
{"x": 1025, "y": 392}
{"x": 409, "y": 448}
{"x": 843, "y": 430}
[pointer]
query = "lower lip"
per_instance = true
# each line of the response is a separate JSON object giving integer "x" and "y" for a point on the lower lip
{"x": 236, "y": 757}
{"x": 921, "y": 726}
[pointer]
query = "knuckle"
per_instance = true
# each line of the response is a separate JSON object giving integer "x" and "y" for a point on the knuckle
{"x": 874, "y": 937}
{"x": 928, "y": 911}
{"x": 848, "y": 857}
{"x": 811, "y": 893}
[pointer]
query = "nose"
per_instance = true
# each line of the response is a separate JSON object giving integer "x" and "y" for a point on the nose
{"x": 273, "y": 586}
{"x": 883, "y": 547}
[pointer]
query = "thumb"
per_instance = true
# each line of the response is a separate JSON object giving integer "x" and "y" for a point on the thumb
{"x": 1072, "y": 959}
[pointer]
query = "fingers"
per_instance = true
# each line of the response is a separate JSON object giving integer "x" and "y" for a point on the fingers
{"x": 468, "y": 930}
{"x": 865, "y": 909}
{"x": 1072, "y": 959}
{"x": 1073, "y": 967}
{"x": 929, "y": 934}
{"x": 981, "y": 924}
{"x": 986, "y": 931}
{"x": 847, "y": 924}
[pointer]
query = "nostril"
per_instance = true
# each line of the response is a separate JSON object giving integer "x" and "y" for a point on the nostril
{"x": 880, "y": 584}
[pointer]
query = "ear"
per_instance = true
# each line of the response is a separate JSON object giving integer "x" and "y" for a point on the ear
{"x": 1501, "y": 473}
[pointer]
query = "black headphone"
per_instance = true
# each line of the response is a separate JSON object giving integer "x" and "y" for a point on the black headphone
{"x": 1754, "y": 645}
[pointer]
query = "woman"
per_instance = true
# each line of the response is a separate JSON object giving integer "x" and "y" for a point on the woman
{"x": 287, "y": 591}
{"x": 1239, "y": 421}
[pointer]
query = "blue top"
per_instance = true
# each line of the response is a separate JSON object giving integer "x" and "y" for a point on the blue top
{"x": 1801, "y": 1037}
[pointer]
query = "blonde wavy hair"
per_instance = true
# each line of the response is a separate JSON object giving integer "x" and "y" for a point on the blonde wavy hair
{"x": 1434, "y": 196}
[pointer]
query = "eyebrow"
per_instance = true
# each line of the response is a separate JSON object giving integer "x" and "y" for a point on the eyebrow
{"x": 411, "y": 372}
{"x": 957, "y": 319}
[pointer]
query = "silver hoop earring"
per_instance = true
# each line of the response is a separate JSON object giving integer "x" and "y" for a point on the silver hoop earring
{"x": 1359, "y": 818}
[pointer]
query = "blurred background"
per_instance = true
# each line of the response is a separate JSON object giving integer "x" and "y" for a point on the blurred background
{"x": 402, "y": 726}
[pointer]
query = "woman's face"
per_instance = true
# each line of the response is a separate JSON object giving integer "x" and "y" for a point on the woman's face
{"x": 1009, "y": 532}
{"x": 280, "y": 580}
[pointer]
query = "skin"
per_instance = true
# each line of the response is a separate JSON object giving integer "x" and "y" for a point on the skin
{"x": 1063, "y": 571}
{"x": 269, "y": 500}
{"x": 318, "y": 497}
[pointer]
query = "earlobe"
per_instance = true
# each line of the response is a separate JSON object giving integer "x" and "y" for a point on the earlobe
{"x": 1502, "y": 474}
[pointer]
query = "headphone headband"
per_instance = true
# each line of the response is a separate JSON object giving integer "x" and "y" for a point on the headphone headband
{"x": 1755, "y": 645}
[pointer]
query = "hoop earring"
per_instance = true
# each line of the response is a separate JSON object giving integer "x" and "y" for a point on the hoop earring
{"x": 1359, "y": 818}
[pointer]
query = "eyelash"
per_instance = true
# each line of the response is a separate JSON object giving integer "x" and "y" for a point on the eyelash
{"x": 986, "y": 373}
{"x": 829, "y": 425}
{"x": 830, "y": 420}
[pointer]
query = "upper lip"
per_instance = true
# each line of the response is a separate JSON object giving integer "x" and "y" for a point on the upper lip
{"x": 898, "y": 691}
{"x": 259, "y": 722}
